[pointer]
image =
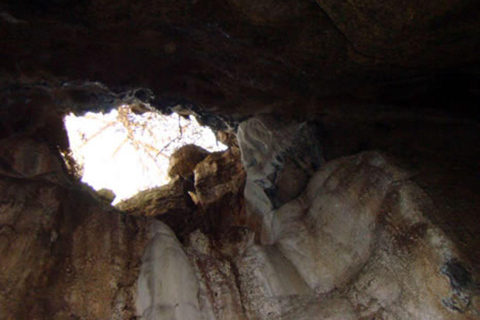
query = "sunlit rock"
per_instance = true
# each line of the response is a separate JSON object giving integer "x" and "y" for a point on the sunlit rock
{"x": 171, "y": 198}
{"x": 167, "y": 286}
{"x": 107, "y": 195}
{"x": 184, "y": 160}
{"x": 217, "y": 175}
{"x": 219, "y": 185}
{"x": 329, "y": 232}
{"x": 279, "y": 157}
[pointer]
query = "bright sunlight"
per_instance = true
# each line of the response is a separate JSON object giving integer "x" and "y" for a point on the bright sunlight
{"x": 128, "y": 153}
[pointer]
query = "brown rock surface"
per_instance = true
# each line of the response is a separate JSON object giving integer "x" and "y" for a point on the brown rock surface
{"x": 366, "y": 235}
{"x": 171, "y": 198}
{"x": 184, "y": 160}
{"x": 64, "y": 254}
{"x": 218, "y": 174}
{"x": 355, "y": 245}
{"x": 219, "y": 184}
{"x": 289, "y": 56}
{"x": 169, "y": 203}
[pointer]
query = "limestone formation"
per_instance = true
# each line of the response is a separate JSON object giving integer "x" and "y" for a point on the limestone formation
{"x": 279, "y": 157}
{"x": 350, "y": 189}
{"x": 167, "y": 286}
{"x": 355, "y": 245}
{"x": 64, "y": 254}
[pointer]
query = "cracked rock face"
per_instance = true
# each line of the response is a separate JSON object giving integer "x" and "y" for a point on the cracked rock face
{"x": 275, "y": 228}
{"x": 354, "y": 244}
{"x": 268, "y": 56}
{"x": 364, "y": 207}
{"x": 63, "y": 250}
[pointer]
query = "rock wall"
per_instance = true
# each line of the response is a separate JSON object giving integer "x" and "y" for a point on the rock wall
{"x": 356, "y": 243}
{"x": 301, "y": 220}
{"x": 65, "y": 253}
{"x": 247, "y": 57}
{"x": 290, "y": 234}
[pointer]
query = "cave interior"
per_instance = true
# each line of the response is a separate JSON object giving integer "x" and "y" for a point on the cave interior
{"x": 350, "y": 188}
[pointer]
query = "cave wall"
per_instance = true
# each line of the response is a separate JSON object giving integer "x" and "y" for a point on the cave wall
{"x": 230, "y": 55}
{"x": 355, "y": 244}
{"x": 357, "y": 199}
{"x": 287, "y": 224}
{"x": 65, "y": 255}
{"x": 65, "y": 252}
{"x": 353, "y": 202}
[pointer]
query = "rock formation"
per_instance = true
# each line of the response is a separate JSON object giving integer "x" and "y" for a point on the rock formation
{"x": 355, "y": 244}
{"x": 350, "y": 189}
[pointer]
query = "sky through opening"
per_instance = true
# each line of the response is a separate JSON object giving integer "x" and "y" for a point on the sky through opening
{"x": 128, "y": 153}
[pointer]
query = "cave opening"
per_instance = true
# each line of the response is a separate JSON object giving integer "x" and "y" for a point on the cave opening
{"x": 126, "y": 152}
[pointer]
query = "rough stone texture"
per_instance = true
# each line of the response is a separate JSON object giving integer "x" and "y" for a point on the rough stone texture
{"x": 219, "y": 293}
{"x": 328, "y": 233}
{"x": 107, "y": 195}
{"x": 219, "y": 183}
{"x": 279, "y": 157}
{"x": 289, "y": 56}
{"x": 170, "y": 198}
{"x": 222, "y": 171}
{"x": 184, "y": 160}
{"x": 439, "y": 150}
{"x": 167, "y": 287}
{"x": 64, "y": 254}
{"x": 355, "y": 245}
{"x": 354, "y": 238}
{"x": 169, "y": 203}
{"x": 276, "y": 282}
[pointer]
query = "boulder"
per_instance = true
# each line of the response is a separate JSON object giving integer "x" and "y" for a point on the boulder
{"x": 184, "y": 160}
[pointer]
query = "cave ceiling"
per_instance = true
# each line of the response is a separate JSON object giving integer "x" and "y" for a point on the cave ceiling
{"x": 249, "y": 56}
